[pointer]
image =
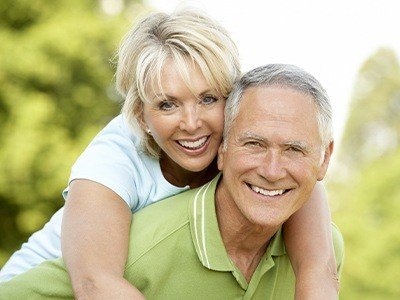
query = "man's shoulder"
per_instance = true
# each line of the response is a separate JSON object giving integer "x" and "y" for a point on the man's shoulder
{"x": 171, "y": 209}
{"x": 159, "y": 222}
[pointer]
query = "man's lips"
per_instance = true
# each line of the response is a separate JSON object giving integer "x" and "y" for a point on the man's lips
{"x": 267, "y": 192}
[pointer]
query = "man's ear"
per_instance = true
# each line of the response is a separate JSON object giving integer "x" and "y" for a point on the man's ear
{"x": 220, "y": 160}
{"x": 325, "y": 163}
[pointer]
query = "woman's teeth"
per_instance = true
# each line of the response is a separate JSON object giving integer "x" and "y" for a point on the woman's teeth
{"x": 266, "y": 192}
{"x": 193, "y": 145}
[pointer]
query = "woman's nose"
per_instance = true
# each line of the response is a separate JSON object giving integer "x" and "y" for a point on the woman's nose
{"x": 190, "y": 120}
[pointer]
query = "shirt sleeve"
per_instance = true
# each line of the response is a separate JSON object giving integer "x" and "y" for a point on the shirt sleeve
{"x": 338, "y": 244}
{"x": 49, "y": 280}
{"x": 111, "y": 159}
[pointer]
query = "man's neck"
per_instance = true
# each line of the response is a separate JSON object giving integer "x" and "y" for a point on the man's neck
{"x": 244, "y": 241}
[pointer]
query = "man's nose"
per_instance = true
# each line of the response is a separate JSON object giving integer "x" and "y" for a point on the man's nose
{"x": 191, "y": 120}
{"x": 272, "y": 167}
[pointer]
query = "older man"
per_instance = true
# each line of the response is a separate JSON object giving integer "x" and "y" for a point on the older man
{"x": 224, "y": 240}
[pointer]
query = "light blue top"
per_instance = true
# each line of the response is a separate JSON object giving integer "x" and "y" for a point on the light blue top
{"x": 115, "y": 160}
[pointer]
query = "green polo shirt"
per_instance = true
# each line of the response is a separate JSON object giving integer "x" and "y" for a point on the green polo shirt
{"x": 176, "y": 252}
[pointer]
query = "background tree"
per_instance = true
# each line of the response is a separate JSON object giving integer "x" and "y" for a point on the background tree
{"x": 56, "y": 93}
{"x": 373, "y": 126}
{"x": 365, "y": 191}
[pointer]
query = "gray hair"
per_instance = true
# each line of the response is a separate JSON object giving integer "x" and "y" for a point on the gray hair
{"x": 285, "y": 76}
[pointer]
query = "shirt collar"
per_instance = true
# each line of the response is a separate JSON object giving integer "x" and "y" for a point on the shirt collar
{"x": 207, "y": 237}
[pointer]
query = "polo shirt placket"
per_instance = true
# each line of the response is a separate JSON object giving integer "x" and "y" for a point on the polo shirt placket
{"x": 211, "y": 250}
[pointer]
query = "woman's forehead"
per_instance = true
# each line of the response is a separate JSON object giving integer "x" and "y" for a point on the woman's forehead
{"x": 175, "y": 79}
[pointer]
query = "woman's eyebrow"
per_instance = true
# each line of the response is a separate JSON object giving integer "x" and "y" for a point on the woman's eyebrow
{"x": 170, "y": 97}
{"x": 207, "y": 91}
{"x": 163, "y": 96}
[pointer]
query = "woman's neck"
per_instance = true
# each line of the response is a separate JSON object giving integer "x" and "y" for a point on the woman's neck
{"x": 181, "y": 177}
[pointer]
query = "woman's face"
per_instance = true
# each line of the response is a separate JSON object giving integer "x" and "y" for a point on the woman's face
{"x": 186, "y": 123}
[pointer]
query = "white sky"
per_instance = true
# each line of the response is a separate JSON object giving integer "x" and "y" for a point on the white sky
{"x": 330, "y": 39}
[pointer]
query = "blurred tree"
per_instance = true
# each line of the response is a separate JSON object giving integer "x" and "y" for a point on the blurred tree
{"x": 56, "y": 92}
{"x": 373, "y": 126}
{"x": 365, "y": 189}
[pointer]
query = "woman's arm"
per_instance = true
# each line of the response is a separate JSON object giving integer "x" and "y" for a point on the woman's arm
{"x": 94, "y": 242}
{"x": 308, "y": 239}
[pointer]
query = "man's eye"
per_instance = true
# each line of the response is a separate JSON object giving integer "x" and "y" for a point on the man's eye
{"x": 166, "y": 105}
{"x": 209, "y": 100}
{"x": 295, "y": 149}
{"x": 253, "y": 144}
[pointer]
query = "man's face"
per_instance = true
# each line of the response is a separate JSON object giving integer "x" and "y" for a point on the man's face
{"x": 273, "y": 156}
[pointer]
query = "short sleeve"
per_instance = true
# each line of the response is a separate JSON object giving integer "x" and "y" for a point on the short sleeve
{"x": 111, "y": 159}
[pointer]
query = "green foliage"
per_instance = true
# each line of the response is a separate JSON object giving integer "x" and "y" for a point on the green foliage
{"x": 366, "y": 190}
{"x": 373, "y": 127}
{"x": 56, "y": 92}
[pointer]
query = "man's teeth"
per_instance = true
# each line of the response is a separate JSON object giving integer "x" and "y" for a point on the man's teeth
{"x": 266, "y": 192}
{"x": 193, "y": 145}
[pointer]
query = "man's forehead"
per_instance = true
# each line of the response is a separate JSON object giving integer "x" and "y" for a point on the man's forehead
{"x": 277, "y": 111}
{"x": 277, "y": 90}
{"x": 277, "y": 102}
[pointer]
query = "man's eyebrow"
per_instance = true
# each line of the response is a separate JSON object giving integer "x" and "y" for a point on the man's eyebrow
{"x": 298, "y": 144}
{"x": 251, "y": 136}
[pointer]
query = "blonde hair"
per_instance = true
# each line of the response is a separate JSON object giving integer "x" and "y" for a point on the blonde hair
{"x": 185, "y": 36}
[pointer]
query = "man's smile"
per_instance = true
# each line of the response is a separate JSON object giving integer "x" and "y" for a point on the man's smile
{"x": 267, "y": 192}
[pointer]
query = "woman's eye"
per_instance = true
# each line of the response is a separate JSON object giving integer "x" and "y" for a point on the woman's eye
{"x": 209, "y": 100}
{"x": 166, "y": 105}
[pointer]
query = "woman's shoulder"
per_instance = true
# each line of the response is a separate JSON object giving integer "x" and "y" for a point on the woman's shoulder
{"x": 120, "y": 129}
{"x": 114, "y": 159}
